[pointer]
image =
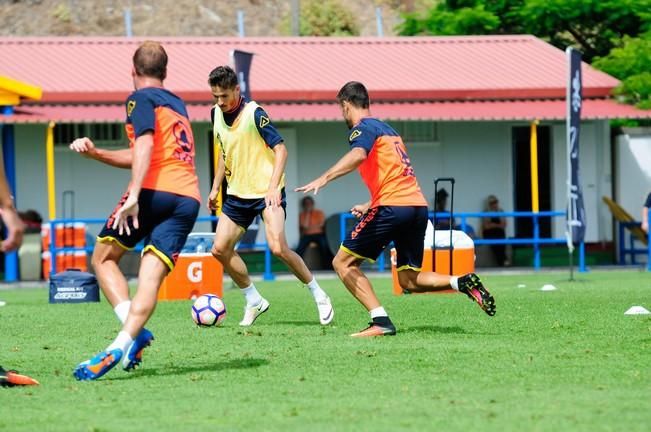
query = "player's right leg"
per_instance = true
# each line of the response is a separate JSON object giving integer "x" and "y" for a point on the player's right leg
{"x": 365, "y": 242}
{"x": 274, "y": 222}
{"x": 348, "y": 269}
{"x": 150, "y": 277}
{"x": 227, "y": 234}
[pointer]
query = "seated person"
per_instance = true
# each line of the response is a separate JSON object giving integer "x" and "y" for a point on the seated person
{"x": 311, "y": 226}
{"x": 495, "y": 228}
{"x": 645, "y": 214}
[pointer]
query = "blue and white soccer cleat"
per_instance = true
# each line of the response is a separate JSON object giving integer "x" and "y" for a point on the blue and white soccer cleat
{"x": 133, "y": 356}
{"x": 97, "y": 366}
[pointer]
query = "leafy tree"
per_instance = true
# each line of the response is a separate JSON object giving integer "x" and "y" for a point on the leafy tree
{"x": 593, "y": 26}
{"x": 616, "y": 34}
{"x": 325, "y": 18}
{"x": 631, "y": 63}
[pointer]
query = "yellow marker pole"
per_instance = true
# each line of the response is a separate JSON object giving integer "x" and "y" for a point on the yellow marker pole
{"x": 534, "y": 167}
{"x": 535, "y": 207}
{"x": 51, "y": 186}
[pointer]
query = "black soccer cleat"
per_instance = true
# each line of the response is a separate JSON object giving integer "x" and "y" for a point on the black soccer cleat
{"x": 471, "y": 285}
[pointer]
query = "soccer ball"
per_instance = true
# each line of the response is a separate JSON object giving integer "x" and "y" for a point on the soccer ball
{"x": 208, "y": 310}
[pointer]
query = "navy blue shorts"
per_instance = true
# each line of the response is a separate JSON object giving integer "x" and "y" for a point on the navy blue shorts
{"x": 243, "y": 211}
{"x": 403, "y": 225}
{"x": 165, "y": 220}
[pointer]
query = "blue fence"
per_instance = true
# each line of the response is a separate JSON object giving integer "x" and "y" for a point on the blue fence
{"x": 627, "y": 244}
{"x": 536, "y": 241}
{"x": 54, "y": 250}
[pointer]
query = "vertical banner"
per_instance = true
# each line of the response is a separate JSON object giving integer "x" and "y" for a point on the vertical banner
{"x": 242, "y": 62}
{"x": 575, "y": 231}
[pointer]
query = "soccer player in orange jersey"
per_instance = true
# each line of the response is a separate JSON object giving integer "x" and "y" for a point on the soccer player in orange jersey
{"x": 160, "y": 206}
{"x": 396, "y": 212}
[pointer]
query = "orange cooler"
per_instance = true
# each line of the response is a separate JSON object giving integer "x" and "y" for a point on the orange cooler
{"x": 194, "y": 274}
{"x": 463, "y": 256}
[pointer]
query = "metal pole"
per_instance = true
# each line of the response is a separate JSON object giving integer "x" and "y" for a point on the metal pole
{"x": 648, "y": 244}
{"x": 296, "y": 18}
{"x": 535, "y": 206}
{"x": 240, "y": 22}
{"x": 9, "y": 150}
{"x": 582, "y": 267}
{"x": 127, "y": 22}
{"x": 378, "y": 21}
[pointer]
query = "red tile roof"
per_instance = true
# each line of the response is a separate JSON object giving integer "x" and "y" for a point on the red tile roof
{"x": 285, "y": 112}
{"x": 87, "y": 70}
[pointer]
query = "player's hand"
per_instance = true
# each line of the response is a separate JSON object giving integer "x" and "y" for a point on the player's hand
{"x": 84, "y": 146}
{"x": 314, "y": 185}
{"x": 645, "y": 227}
{"x": 128, "y": 210}
{"x": 273, "y": 198}
{"x": 213, "y": 201}
{"x": 15, "y": 230}
{"x": 359, "y": 210}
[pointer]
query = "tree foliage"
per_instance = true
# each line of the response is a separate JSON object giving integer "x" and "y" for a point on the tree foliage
{"x": 631, "y": 63}
{"x": 325, "y": 18}
{"x": 614, "y": 33}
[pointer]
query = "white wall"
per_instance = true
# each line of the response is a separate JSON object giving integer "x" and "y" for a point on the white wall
{"x": 633, "y": 156}
{"x": 97, "y": 187}
{"x": 477, "y": 154}
{"x": 595, "y": 176}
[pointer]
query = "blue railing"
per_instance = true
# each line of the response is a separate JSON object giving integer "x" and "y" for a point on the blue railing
{"x": 630, "y": 249}
{"x": 54, "y": 250}
{"x": 536, "y": 240}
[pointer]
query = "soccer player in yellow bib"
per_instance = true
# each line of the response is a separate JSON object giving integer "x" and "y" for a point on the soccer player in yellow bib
{"x": 253, "y": 158}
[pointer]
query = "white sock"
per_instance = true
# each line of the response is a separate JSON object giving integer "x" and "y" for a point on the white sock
{"x": 316, "y": 290}
{"x": 122, "y": 341}
{"x": 252, "y": 296}
{"x": 378, "y": 312}
{"x": 122, "y": 310}
{"x": 454, "y": 282}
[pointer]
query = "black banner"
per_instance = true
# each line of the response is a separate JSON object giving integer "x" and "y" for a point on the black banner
{"x": 575, "y": 212}
{"x": 242, "y": 62}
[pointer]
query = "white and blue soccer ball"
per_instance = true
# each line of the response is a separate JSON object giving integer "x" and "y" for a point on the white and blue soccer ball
{"x": 208, "y": 310}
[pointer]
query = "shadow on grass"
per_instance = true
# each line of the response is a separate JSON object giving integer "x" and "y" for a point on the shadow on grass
{"x": 244, "y": 363}
{"x": 433, "y": 329}
{"x": 297, "y": 323}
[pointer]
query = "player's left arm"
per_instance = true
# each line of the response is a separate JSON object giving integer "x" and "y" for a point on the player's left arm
{"x": 270, "y": 135}
{"x": 273, "y": 197}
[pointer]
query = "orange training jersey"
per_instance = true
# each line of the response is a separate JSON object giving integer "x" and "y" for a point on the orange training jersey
{"x": 154, "y": 109}
{"x": 387, "y": 170}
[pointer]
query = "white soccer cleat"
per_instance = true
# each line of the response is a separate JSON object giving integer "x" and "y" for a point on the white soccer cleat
{"x": 326, "y": 311}
{"x": 253, "y": 312}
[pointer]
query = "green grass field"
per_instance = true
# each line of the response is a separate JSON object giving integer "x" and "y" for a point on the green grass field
{"x": 564, "y": 360}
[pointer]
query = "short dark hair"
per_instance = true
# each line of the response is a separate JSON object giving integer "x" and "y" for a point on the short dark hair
{"x": 354, "y": 93}
{"x": 307, "y": 199}
{"x": 150, "y": 60}
{"x": 223, "y": 77}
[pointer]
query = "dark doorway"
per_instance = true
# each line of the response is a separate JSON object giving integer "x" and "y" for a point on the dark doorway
{"x": 522, "y": 178}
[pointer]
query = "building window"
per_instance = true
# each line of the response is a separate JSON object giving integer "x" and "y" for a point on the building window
{"x": 417, "y": 132}
{"x": 102, "y": 134}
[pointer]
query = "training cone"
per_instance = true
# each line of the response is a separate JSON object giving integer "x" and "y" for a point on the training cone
{"x": 548, "y": 287}
{"x": 637, "y": 310}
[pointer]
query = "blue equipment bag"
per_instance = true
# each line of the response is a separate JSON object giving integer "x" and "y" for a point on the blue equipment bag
{"x": 73, "y": 286}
